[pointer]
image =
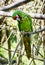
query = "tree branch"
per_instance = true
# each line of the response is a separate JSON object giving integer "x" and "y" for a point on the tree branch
{"x": 37, "y": 15}
{"x": 6, "y": 49}
{"x": 34, "y": 32}
{"x": 6, "y": 14}
{"x": 33, "y": 15}
{"x": 15, "y": 4}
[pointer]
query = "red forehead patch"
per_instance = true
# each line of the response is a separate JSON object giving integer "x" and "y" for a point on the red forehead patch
{"x": 16, "y": 17}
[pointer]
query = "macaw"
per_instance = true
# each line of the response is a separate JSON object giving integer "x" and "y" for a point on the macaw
{"x": 25, "y": 24}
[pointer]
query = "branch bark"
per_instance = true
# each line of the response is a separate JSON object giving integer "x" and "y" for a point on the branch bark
{"x": 15, "y": 4}
{"x": 37, "y": 15}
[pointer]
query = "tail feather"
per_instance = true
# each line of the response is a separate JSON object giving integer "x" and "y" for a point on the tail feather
{"x": 27, "y": 45}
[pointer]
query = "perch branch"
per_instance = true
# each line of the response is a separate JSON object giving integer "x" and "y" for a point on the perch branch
{"x": 22, "y": 32}
{"x": 34, "y": 32}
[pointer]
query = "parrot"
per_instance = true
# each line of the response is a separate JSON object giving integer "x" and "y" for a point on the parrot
{"x": 25, "y": 24}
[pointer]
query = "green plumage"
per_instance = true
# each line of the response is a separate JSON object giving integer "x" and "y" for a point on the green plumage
{"x": 25, "y": 24}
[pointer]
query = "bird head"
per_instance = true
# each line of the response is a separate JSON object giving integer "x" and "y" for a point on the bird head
{"x": 16, "y": 15}
{"x": 16, "y": 18}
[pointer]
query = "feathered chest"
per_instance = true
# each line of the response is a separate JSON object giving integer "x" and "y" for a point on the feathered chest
{"x": 25, "y": 24}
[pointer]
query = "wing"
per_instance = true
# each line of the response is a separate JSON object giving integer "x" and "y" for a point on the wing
{"x": 25, "y": 24}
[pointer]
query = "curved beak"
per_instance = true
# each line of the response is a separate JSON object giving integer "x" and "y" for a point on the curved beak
{"x": 18, "y": 19}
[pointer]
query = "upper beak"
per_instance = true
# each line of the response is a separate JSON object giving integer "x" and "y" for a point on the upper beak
{"x": 18, "y": 19}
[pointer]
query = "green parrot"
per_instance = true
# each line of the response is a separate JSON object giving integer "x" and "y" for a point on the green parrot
{"x": 25, "y": 24}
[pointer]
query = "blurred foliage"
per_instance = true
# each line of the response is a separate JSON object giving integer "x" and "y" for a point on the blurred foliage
{"x": 13, "y": 38}
{"x": 36, "y": 37}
